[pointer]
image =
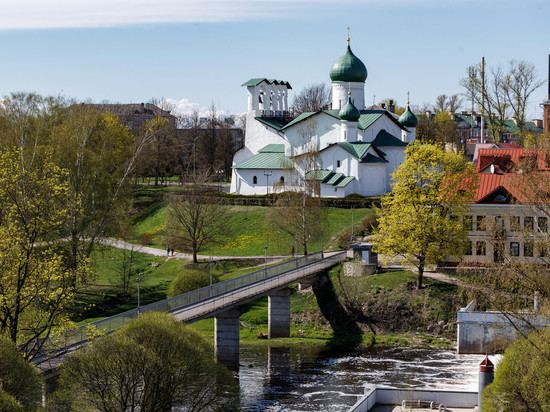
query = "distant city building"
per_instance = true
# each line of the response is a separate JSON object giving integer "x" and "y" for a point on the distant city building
{"x": 506, "y": 221}
{"x": 346, "y": 149}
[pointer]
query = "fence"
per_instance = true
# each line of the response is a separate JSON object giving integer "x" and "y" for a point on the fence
{"x": 105, "y": 326}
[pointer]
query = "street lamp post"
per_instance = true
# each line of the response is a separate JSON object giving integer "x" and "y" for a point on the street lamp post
{"x": 195, "y": 156}
{"x": 265, "y": 264}
{"x": 352, "y": 225}
{"x": 322, "y": 253}
{"x": 296, "y": 255}
{"x": 210, "y": 275}
{"x": 267, "y": 174}
{"x": 138, "y": 280}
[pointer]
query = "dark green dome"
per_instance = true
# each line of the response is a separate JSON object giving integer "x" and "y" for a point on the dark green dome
{"x": 349, "y": 112}
{"x": 408, "y": 119}
{"x": 348, "y": 68}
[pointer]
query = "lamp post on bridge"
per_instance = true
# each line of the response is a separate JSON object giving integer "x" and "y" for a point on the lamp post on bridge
{"x": 138, "y": 281}
{"x": 265, "y": 264}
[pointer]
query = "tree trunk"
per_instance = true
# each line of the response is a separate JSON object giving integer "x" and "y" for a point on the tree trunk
{"x": 421, "y": 263}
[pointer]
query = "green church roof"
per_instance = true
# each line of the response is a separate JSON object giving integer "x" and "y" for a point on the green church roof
{"x": 349, "y": 112}
{"x": 408, "y": 119}
{"x": 269, "y": 157}
{"x": 348, "y": 68}
{"x": 383, "y": 138}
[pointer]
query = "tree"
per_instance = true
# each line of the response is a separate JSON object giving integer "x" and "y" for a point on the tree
{"x": 449, "y": 104}
{"x": 155, "y": 363}
{"x": 34, "y": 281}
{"x": 421, "y": 218}
{"x": 196, "y": 219}
{"x": 312, "y": 98}
{"x": 20, "y": 382}
{"x": 190, "y": 279}
{"x": 100, "y": 155}
{"x": 522, "y": 379}
{"x": 502, "y": 93}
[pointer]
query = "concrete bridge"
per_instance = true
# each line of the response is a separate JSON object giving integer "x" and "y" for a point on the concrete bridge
{"x": 222, "y": 301}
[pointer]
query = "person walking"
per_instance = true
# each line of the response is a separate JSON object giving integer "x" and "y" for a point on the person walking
{"x": 292, "y": 251}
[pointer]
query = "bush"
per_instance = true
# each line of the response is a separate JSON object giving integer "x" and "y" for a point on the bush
{"x": 370, "y": 223}
{"x": 522, "y": 377}
{"x": 190, "y": 279}
{"x": 20, "y": 382}
{"x": 145, "y": 239}
{"x": 155, "y": 363}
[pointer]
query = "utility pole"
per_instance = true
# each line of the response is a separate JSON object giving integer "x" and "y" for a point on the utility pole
{"x": 138, "y": 280}
{"x": 483, "y": 101}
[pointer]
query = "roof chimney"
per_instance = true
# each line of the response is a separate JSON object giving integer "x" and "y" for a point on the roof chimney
{"x": 391, "y": 107}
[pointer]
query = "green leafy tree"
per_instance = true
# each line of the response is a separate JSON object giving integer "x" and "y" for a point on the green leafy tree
{"x": 20, "y": 382}
{"x": 155, "y": 363}
{"x": 34, "y": 289}
{"x": 421, "y": 218}
{"x": 522, "y": 378}
{"x": 195, "y": 218}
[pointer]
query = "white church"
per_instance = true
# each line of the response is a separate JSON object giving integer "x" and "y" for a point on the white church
{"x": 348, "y": 149}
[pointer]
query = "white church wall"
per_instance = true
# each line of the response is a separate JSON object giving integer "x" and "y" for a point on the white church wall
{"x": 383, "y": 122}
{"x": 322, "y": 127}
{"x": 394, "y": 156}
{"x": 259, "y": 135}
{"x": 372, "y": 179}
{"x": 244, "y": 181}
{"x": 340, "y": 94}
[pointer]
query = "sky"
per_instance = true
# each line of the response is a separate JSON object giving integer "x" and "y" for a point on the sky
{"x": 198, "y": 53}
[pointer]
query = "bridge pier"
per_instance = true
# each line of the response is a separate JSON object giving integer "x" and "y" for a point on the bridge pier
{"x": 226, "y": 336}
{"x": 279, "y": 313}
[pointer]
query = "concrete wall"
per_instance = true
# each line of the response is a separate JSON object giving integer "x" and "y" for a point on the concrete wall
{"x": 387, "y": 396}
{"x": 488, "y": 332}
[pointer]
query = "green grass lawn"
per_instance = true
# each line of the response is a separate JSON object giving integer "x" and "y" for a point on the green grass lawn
{"x": 249, "y": 230}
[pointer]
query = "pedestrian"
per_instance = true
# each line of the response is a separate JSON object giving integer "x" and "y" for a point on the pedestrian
{"x": 167, "y": 250}
{"x": 172, "y": 250}
{"x": 292, "y": 251}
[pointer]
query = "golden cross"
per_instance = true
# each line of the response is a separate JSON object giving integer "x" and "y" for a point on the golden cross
{"x": 348, "y": 35}
{"x": 408, "y": 97}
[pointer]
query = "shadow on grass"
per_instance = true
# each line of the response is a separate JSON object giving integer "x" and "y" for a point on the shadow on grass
{"x": 149, "y": 212}
{"x": 346, "y": 330}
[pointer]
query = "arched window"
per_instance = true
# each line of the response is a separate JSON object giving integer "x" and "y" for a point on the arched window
{"x": 282, "y": 179}
{"x": 255, "y": 180}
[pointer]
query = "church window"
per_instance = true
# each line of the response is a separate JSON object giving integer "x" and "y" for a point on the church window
{"x": 282, "y": 179}
{"x": 338, "y": 163}
{"x": 255, "y": 180}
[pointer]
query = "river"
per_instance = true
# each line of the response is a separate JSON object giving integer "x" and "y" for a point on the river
{"x": 320, "y": 379}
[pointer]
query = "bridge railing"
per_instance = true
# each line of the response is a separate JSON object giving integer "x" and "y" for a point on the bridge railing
{"x": 112, "y": 323}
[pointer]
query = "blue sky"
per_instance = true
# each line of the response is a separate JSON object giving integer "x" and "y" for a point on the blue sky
{"x": 195, "y": 52}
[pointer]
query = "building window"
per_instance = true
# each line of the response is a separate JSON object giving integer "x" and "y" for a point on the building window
{"x": 338, "y": 163}
{"x": 528, "y": 223}
{"x": 498, "y": 252}
{"x": 528, "y": 249}
{"x": 468, "y": 223}
{"x": 480, "y": 223}
{"x": 514, "y": 224}
{"x": 255, "y": 180}
{"x": 480, "y": 248}
{"x": 541, "y": 250}
{"x": 282, "y": 179}
{"x": 542, "y": 223}
{"x": 514, "y": 248}
{"x": 468, "y": 248}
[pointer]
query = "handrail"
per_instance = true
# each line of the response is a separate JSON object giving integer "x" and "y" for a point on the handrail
{"x": 110, "y": 324}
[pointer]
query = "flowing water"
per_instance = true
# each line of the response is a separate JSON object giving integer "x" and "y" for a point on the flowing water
{"x": 320, "y": 379}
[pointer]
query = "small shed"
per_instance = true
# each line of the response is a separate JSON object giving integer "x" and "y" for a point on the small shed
{"x": 362, "y": 252}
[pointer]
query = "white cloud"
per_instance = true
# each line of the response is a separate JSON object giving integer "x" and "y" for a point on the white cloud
{"x": 48, "y": 14}
{"x": 186, "y": 107}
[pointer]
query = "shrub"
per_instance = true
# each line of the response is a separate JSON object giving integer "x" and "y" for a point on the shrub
{"x": 145, "y": 239}
{"x": 370, "y": 223}
{"x": 190, "y": 279}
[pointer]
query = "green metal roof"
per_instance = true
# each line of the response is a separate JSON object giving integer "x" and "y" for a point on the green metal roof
{"x": 272, "y": 122}
{"x": 344, "y": 182}
{"x": 349, "y": 112}
{"x": 408, "y": 119}
{"x": 369, "y": 158}
{"x": 383, "y": 138}
{"x": 317, "y": 174}
{"x": 348, "y": 68}
{"x": 301, "y": 117}
{"x": 273, "y": 148}
{"x": 256, "y": 81}
{"x": 333, "y": 178}
{"x": 368, "y": 117}
{"x": 265, "y": 161}
{"x": 358, "y": 149}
